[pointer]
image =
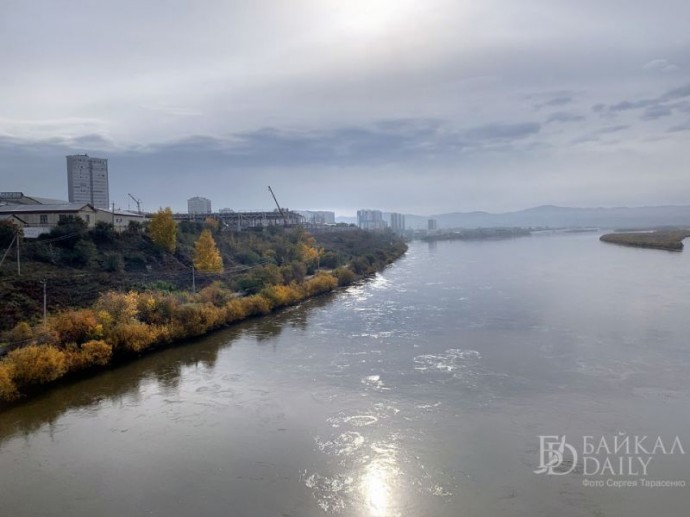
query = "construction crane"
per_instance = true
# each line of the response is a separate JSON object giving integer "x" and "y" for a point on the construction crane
{"x": 138, "y": 202}
{"x": 285, "y": 220}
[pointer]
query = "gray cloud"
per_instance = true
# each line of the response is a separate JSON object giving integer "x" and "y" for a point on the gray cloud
{"x": 555, "y": 102}
{"x": 661, "y": 65}
{"x": 680, "y": 127}
{"x": 503, "y": 132}
{"x": 632, "y": 105}
{"x": 671, "y": 95}
{"x": 414, "y": 104}
{"x": 562, "y": 116}
{"x": 655, "y": 112}
{"x": 612, "y": 129}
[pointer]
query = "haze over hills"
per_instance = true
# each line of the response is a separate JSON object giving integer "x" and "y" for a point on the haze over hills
{"x": 557, "y": 217}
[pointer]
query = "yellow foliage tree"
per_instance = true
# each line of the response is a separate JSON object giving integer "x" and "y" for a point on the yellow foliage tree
{"x": 212, "y": 223}
{"x": 163, "y": 230}
{"x": 206, "y": 255}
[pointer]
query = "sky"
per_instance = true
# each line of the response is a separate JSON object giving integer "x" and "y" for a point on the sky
{"x": 421, "y": 107}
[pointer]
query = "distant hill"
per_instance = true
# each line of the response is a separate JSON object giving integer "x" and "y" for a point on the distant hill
{"x": 557, "y": 217}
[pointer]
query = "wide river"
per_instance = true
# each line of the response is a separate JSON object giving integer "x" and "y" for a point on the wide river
{"x": 421, "y": 392}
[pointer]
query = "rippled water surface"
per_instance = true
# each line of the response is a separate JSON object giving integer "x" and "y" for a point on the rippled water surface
{"x": 421, "y": 392}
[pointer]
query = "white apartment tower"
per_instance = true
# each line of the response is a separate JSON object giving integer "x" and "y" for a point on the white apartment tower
{"x": 398, "y": 223}
{"x": 370, "y": 220}
{"x": 198, "y": 205}
{"x": 87, "y": 180}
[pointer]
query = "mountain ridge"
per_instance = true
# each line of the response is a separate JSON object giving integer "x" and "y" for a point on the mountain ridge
{"x": 553, "y": 216}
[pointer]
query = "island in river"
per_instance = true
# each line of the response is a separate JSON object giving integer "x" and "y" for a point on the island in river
{"x": 669, "y": 240}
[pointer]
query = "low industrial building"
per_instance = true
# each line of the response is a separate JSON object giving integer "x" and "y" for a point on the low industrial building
{"x": 120, "y": 219}
{"x": 19, "y": 198}
{"x": 38, "y": 219}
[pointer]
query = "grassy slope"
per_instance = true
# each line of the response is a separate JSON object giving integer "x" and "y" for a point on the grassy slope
{"x": 147, "y": 266}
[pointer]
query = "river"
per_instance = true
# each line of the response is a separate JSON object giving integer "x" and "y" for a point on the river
{"x": 420, "y": 392}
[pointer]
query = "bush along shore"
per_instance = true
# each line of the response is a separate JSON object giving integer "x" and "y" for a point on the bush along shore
{"x": 668, "y": 240}
{"x": 121, "y": 325}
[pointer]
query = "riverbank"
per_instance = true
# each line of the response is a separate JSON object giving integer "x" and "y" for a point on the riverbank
{"x": 122, "y": 325}
{"x": 667, "y": 240}
{"x": 478, "y": 234}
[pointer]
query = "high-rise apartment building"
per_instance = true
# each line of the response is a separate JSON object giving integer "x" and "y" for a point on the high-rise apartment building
{"x": 198, "y": 205}
{"x": 370, "y": 220}
{"x": 398, "y": 223}
{"x": 87, "y": 180}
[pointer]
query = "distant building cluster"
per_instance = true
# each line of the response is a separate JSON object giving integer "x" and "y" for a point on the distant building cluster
{"x": 199, "y": 206}
{"x": 432, "y": 225}
{"x": 89, "y": 199}
{"x": 370, "y": 220}
{"x": 87, "y": 180}
{"x": 317, "y": 216}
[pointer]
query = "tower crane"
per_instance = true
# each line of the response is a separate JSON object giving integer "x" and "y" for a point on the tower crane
{"x": 285, "y": 220}
{"x": 138, "y": 202}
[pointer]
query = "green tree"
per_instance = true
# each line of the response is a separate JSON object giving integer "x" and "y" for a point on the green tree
{"x": 206, "y": 255}
{"x": 163, "y": 230}
{"x": 7, "y": 232}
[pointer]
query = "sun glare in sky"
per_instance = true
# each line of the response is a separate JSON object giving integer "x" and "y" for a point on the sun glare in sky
{"x": 371, "y": 17}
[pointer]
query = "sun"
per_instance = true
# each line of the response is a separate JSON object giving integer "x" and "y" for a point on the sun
{"x": 371, "y": 17}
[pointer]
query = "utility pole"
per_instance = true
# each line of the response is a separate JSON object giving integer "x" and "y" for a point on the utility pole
{"x": 193, "y": 281}
{"x": 19, "y": 262}
{"x": 45, "y": 304}
{"x": 113, "y": 213}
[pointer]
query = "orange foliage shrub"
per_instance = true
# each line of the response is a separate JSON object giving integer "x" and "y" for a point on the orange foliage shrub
{"x": 215, "y": 294}
{"x": 45, "y": 335}
{"x": 255, "y": 305}
{"x": 121, "y": 307}
{"x": 321, "y": 283}
{"x": 282, "y": 295}
{"x": 156, "y": 308}
{"x": 195, "y": 319}
{"x": 77, "y": 326}
{"x": 21, "y": 332}
{"x": 37, "y": 364}
{"x": 234, "y": 311}
{"x": 98, "y": 352}
{"x": 8, "y": 389}
{"x": 91, "y": 353}
{"x": 133, "y": 336}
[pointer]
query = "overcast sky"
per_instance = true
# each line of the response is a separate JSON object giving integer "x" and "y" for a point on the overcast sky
{"x": 423, "y": 106}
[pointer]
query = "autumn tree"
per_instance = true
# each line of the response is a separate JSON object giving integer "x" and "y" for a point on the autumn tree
{"x": 212, "y": 223}
{"x": 163, "y": 229}
{"x": 206, "y": 255}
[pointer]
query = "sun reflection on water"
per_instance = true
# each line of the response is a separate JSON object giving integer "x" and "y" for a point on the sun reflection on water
{"x": 378, "y": 481}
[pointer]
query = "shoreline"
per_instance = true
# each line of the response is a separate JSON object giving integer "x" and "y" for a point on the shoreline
{"x": 103, "y": 355}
